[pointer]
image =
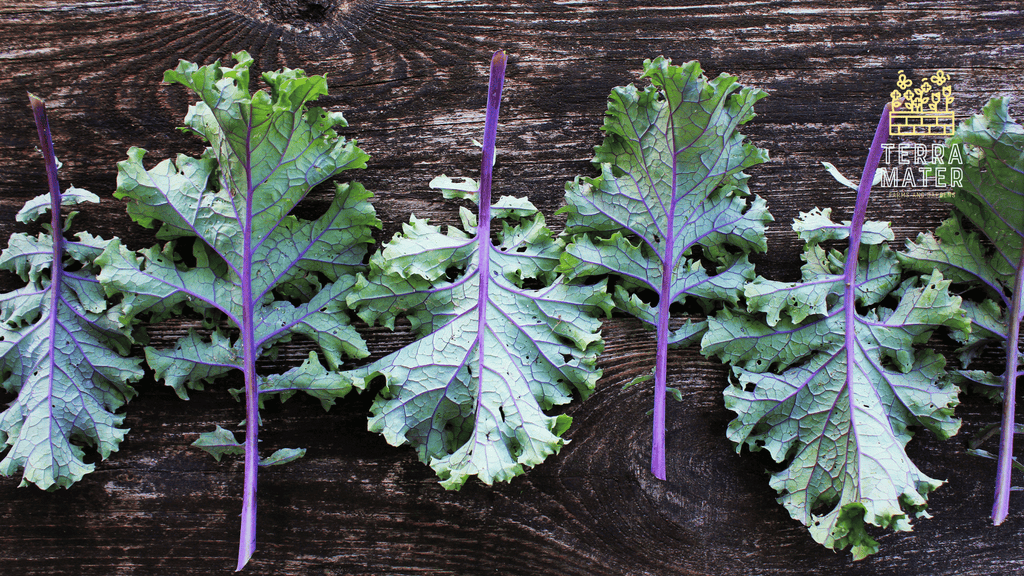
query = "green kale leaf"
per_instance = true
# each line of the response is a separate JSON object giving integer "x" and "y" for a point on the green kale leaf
{"x": 61, "y": 350}
{"x": 670, "y": 214}
{"x": 261, "y": 275}
{"x": 830, "y": 377}
{"x": 503, "y": 337}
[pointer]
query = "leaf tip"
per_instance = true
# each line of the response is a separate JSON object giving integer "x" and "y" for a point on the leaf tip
{"x": 499, "y": 59}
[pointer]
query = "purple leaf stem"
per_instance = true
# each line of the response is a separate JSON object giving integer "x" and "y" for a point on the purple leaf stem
{"x": 661, "y": 358}
{"x": 856, "y": 226}
{"x": 57, "y": 267}
{"x": 1005, "y": 464}
{"x": 483, "y": 230}
{"x": 247, "y": 537}
{"x": 497, "y": 81}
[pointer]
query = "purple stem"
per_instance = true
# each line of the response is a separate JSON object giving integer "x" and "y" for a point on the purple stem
{"x": 247, "y": 536}
{"x": 661, "y": 357}
{"x": 497, "y": 81}
{"x": 1005, "y": 464}
{"x": 483, "y": 229}
{"x": 861, "y": 209}
{"x": 856, "y": 226}
{"x": 57, "y": 266}
{"x": 46, "y": 142}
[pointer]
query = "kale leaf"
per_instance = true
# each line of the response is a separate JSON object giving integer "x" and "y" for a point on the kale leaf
{"x": 61, "y": 348}
{"x": 830, "y": 377}
{"x": 503, "y": 337}
{"x": 670, "y": 214}
{"x": 260, "y": 275}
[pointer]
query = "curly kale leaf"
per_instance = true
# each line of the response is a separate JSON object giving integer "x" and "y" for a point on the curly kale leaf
{"x": 829, "y": 377}
{"x": 988, "y": 149}
{"x": 470, "y": 396}
{"x": 60, "y": 350}
{"x": 258, "y": 268}
{"x": 670, "y": 214}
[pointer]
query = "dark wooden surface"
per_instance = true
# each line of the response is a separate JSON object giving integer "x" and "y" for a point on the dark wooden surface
{"x": 410, "y": 77}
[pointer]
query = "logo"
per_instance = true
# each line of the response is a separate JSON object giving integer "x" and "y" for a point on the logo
{"x": 916, "y": 169}
{"x": 937, "y": 166}
{"x": 915, "y": 111}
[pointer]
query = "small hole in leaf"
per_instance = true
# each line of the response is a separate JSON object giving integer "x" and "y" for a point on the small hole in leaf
{"x": 532, "y": 284}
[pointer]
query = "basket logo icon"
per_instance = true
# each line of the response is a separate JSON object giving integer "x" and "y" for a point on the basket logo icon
{"x": 916, "y": 111}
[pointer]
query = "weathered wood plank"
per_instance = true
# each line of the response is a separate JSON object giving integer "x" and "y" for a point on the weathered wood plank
{"x": 410, "y": 77}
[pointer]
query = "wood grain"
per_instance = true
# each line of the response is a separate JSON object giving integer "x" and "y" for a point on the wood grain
{"x": 410, "y": 77}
